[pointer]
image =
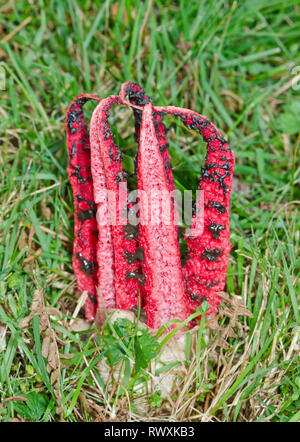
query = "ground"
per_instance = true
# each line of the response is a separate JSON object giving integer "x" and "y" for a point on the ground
{"x": 238, "y": 63}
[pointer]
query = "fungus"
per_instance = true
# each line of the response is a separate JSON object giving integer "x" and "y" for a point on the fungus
{"x": 116, "y": 262}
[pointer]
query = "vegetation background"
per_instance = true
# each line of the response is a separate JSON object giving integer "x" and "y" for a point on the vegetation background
{"x": 238, "y": 64}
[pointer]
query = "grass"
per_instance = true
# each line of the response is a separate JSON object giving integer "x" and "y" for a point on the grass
{"x": 231, "y": 61}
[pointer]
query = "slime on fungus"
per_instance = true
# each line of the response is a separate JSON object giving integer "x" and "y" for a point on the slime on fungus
{"x": 122, "y": 261}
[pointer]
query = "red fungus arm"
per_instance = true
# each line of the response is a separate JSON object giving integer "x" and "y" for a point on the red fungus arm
{"x": 128, "y": 278}
{"x": 104, "y": 249}
{"x": 205, "y": 269}
{"x": 136, "y": 96}
{"x": 79, "y": 172}
{"x": 164, "y": 288}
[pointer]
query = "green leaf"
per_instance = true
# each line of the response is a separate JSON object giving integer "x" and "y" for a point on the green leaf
{"x": 155, "y": 399}
{"x": 146, "y": 347}
{"x": 289, "y": 120}
{"x": 15, "y": 281}
{"x": 289, "y": 124}
{"x": 115, "y": 344}
{"x": 35, "y": 406}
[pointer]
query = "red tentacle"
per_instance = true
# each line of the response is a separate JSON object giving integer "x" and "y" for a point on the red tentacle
{"x": 85, "y": 228}
{"x": 164, "y": 289}
{"x": 136, "y": 96}
{"x": 128, "y": 275}
{"x": 104, "y": 250}
{"x": 205, "y": 270}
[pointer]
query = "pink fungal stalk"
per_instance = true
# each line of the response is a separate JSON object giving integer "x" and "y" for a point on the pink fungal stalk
{"x": 116, "y": 262}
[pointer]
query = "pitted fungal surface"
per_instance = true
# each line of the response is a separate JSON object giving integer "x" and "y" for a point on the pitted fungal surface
{"x": 116, "y": 263}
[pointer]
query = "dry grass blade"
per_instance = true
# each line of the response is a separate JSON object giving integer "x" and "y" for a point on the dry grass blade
{"x": 49, "y": 342}
{"x": 16, "y": 30}
{"x": 12, "y": 398}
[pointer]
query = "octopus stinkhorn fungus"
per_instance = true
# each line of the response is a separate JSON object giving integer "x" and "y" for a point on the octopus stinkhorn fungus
{"x": 117, "y": 260}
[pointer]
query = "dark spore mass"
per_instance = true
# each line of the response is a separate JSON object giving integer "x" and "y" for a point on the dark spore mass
{"x": 130, "y": 231}
{"x": 135, "y": 275}
{"x": 74, "y": 117}
{"x": 195, "y": 297}
{"x": 90, "y": 213}
{"x": 135, "y": 257}
{"x": 215, "y": 229}
{"x": 212, "y": 254}
{"x": 83, "y": 215}
{"x": 77, "y": 173}
{"x": 139, "y": 97}
{"x": 87, "y": 267}
{"x": 215, "y": 205}
{"x": 93, "y": 299}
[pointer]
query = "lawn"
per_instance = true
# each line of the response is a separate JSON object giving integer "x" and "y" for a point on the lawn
{"x": 238, "y": 63}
